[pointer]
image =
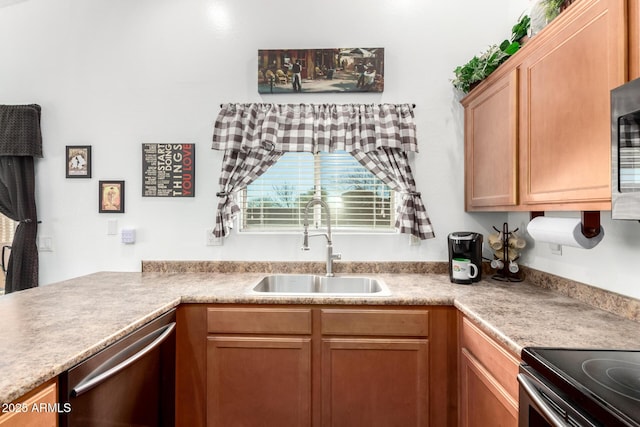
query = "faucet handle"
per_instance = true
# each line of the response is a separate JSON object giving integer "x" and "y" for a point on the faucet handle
{"x": 336, "y": 256}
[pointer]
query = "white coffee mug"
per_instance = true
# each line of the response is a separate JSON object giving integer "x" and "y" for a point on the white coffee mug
{"x": 463, "y": 269}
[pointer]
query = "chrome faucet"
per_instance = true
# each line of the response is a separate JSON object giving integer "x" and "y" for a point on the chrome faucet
{"x": 305, "y": 242}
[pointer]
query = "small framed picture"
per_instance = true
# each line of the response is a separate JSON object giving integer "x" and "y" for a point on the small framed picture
{"x": 78, "y": 161}
{"x": 111, "y": 197}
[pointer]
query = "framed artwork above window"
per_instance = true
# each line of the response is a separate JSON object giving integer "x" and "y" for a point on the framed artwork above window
{"x": 353, "y": 69}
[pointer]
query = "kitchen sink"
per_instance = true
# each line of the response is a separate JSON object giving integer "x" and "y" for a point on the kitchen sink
{"x": 311, "y": 284}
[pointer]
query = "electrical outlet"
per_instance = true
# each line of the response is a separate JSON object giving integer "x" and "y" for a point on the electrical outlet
{"x": 212, "y": 240}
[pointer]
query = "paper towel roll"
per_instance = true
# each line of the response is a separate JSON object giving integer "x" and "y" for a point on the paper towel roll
{"x": 562, "y": 231}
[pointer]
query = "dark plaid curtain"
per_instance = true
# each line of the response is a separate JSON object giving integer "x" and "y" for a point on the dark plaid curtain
{"x": 17, "y": 201}
{"x": 20, "y": 142}
{"x": 379, "y": 136}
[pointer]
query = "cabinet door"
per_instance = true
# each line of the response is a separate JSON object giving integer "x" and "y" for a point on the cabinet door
{"x": 255, "y": 381}
{"x": 491, "y": 140}
{"x": 565, "y": 123}
{"x": 21, "y": 413}
{"x": 633, "y": 12}
{"x": 374, "y": 382}
{"x": 482, "y": 398}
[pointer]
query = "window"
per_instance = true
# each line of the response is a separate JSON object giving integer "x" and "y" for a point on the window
{"x": 357, "y": 199}
{"x": 7, "y": 230}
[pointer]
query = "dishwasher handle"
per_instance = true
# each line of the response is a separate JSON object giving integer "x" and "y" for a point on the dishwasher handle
{"x": 536, "y": 400}
{"x": 111, "y": 367}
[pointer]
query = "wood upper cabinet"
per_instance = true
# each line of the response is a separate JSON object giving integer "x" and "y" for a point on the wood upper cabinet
{"x": 633, "y": 12}
{"x": 565, "y": 121}
{"x": 491, "y": 127}
{"x": 488, "y": 388}
{"x": 538, "y": 131}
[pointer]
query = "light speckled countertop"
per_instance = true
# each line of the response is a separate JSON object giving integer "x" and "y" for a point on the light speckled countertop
{"x": 49, "y": 329}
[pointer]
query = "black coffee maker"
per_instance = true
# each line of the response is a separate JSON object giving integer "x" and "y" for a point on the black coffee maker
{"x": 465, "y": 245}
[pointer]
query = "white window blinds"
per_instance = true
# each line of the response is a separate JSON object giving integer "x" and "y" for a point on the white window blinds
{"x": 7, "y": 230}
{"x": 357, "y": 199}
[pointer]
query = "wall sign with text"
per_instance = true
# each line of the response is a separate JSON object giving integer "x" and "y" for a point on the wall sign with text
{"x": 168, "y": 170}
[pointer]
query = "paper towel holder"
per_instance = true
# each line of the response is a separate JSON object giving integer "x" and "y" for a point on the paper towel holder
{"x": 590, "y": 222}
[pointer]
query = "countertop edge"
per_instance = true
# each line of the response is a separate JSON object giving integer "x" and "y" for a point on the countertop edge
{"x": 490, "y": 305}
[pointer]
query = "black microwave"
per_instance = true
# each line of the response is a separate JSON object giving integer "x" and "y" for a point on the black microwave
{"x": 625, "y": 151}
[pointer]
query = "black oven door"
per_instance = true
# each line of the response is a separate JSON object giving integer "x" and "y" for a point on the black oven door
{"x": 541, "y": 405}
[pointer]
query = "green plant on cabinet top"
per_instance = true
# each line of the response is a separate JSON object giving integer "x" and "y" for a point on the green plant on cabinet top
{"x": 521, "y": 29}
{"x": 480, "y": 67}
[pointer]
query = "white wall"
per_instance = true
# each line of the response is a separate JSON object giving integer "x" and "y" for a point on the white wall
{"x": 610, "y": 265}
{"x": 116, "y": 73}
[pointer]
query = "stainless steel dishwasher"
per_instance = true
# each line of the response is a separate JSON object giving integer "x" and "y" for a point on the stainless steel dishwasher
{"x": 130, "y": 383}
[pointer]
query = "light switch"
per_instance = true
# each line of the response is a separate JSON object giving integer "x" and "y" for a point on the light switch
{"x": 128, "y": 235}
{"x": 112, "y": 227}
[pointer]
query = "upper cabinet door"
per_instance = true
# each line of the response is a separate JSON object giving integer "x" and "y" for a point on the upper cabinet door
{"x": 491, "y": 126}
{"x": 633, "y": 12}
{"x": 565, "y": 85}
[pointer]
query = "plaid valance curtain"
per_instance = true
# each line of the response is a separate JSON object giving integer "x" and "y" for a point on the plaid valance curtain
{"x": 254, "y": 136}
{"x": 315, "y": 127}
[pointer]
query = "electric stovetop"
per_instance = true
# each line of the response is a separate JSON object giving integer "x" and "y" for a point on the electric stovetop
{"x": 602, "y": 382}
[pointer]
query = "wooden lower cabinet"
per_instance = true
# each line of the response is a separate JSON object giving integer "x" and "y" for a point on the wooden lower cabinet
{"x": 37, "y": 408}
{"x": 329, "y": 366}
{"x": 488, "y": 389}
{"x": 254, "y": 381}
{"x": 482, "y": 398}
{"x": 258, "y": 366}
{"x": 375, "y": 382}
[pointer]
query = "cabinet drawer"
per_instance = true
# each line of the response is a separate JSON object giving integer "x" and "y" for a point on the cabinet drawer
{"x": 501, "y": 364}
{"x": 413, "y": 323}
{"x": 22, "y": 413}
{"x": 259, "y": 321}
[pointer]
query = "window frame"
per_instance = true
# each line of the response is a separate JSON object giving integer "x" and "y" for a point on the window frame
{"x": 315, "y": 221}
